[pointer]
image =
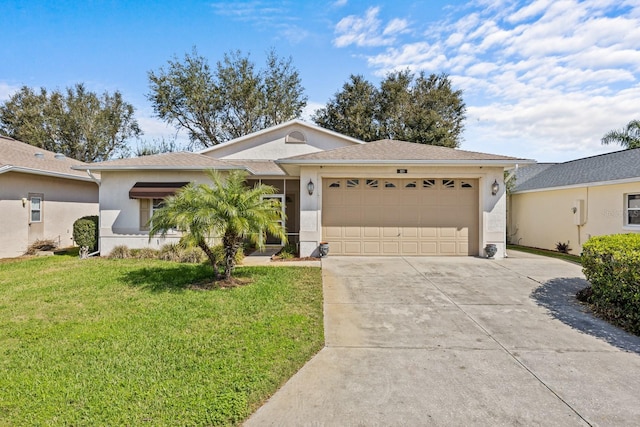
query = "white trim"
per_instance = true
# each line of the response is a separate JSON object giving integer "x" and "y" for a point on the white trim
{"x": 582, "y": 185}
{"x": 160, "y": 167}
{"x": 276, "y": 128}
{"x": 428, "y": 162}
{"x": 20, "y": 169}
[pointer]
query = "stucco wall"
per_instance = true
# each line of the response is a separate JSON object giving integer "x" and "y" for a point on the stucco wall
{"x": 120, "y": 215}
{"x": 492, "y": 215}
{"x": 64, "y": 202}
{"x": 542, "y": 219}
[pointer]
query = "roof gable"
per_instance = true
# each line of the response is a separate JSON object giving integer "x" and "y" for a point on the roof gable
{"x": 18, "y": 156}
{"x": 619, "y": 165}
{"x": 294, "y": 137}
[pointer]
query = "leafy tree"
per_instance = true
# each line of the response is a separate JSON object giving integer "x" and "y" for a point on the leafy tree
{"x": 227, "y": 209}
{"x": 629, "y": 137}
{"x": 423, "y": 109}
{"x": 353, "y": 110}
{"x": 77, "y": 123}
{"x": 232, "y": 100}
{"x": 156, "y": 146}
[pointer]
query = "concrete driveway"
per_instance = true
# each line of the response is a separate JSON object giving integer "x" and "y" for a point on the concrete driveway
{"x": 459, "y": 341}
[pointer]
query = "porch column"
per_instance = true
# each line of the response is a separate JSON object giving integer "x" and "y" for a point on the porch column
{"x": 310, "y": 212}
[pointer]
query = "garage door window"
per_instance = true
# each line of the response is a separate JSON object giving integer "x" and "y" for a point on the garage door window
{"x": 428, "y": 183}
{"x": 448, "y": 183}
{"x": 390, "y": 184}
{"x": 465, "y": 184}
{"x": 371, "y": 183}
{"x": 335, "y": 184}
{"x": 410, "y": 184}
{"x": 353, "y": 183}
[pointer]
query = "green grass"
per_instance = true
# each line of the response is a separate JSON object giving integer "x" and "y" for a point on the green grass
{"x": 126, "y": 342}
{"x": 544, "y": 252}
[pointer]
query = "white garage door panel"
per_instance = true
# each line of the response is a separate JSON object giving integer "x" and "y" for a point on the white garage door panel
{"x": 400, "y": 216}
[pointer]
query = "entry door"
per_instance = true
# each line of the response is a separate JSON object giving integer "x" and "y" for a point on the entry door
{"x": 36, "y": 217}
{"x": 272, "y": 240}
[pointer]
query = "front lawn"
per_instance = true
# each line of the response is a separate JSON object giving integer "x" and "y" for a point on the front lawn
{"x": 128, "y": 342}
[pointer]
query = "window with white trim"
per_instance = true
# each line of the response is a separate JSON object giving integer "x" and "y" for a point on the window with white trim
{"x": 632, "y": 210}
{"x": 36, "y": 209}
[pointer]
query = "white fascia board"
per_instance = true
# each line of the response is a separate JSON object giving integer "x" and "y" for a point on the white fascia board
{"x": 278, "y": 127}
{"x": 581, "y": 185}
{"x": 158, "y": 167}
{"x": 494, "y": 163}
{"x": 20, "y": 169}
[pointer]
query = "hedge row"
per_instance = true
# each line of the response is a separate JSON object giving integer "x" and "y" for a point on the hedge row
{"x": 612, "y": 265}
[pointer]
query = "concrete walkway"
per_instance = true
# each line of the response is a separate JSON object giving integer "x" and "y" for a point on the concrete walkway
{"x": 458, "y": 341}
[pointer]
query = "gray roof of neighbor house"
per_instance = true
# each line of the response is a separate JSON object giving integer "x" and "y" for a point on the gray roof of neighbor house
{"x": 619, "y": 165}
{"x": 16, "y": 156}
{"x": 391, "y": 151}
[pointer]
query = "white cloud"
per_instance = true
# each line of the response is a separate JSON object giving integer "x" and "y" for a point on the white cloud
{"x": 548, "y": 77}
{"x": 340, "y": 3}
{"x": 310, "y": 110}
{"x": 366, "y": 31}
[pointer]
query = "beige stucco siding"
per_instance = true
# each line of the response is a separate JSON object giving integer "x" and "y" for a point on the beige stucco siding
{"x": 541, "y": 219}
{"x": 64, "y": 201}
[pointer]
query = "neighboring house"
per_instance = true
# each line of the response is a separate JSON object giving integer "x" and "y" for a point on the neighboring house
{"x": 378, "y": 198}
{"x": 572, "y": 201}
{"x": 40, "y": 196}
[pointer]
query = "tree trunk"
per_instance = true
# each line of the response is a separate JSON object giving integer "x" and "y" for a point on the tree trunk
{"x": 212, "y": 258}
{"x": 232, "y": 244}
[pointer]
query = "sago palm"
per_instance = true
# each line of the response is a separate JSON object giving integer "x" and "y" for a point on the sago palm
{"x": 227, "y": 209}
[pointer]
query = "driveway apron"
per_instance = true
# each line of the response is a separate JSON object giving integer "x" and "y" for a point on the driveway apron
{"x": 454, "y": 341}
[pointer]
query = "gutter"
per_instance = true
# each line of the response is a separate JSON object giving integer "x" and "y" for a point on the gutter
{"x": 93, "y": 177}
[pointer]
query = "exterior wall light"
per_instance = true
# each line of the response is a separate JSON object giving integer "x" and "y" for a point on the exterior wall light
{"x": 495, "y": 187}
{"x": 310, "y": 187}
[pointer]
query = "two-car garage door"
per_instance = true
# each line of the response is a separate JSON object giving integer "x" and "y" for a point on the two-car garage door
{"x": 379, "y": 216}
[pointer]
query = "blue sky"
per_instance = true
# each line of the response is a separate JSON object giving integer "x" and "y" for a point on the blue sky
{"x": 542, "y": 79}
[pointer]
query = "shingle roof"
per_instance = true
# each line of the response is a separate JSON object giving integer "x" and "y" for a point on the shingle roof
{"x": 180, "y": 160}
{"x": 614, "y": 166}
{"x": 18, "y": 156}
{"x": 390, "y": 150}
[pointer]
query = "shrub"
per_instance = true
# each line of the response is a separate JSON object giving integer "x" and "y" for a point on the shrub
{"x": 170, "y": 252}
{"x": 41, "y": 245}
{"x": 145, "y": 253}
{"x": 563, "y": 247}
{"x": 120, "y": 252}
{"x": 178, "y": 253}
{"x": 612, "y": 266}
{"x": 85, "y": 232}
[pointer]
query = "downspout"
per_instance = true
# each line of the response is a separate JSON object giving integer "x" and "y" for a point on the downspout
{"x": 97, "y": 181}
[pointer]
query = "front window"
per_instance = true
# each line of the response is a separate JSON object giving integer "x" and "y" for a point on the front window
{"x": 633, "y": 209}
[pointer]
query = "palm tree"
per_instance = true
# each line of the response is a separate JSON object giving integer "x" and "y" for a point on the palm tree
{"x": 629, "y": 137}
{"x": 227, "y": 209}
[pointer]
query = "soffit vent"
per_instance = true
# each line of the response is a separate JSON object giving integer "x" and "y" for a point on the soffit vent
{"x": 39, "y": 155}
{"x": 295, "y": 137}
{"x": 59, "y": 156}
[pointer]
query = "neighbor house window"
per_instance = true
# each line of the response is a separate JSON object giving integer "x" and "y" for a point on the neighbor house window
{"x": 36, "y": 209}
{"x": 633, "y": 209}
